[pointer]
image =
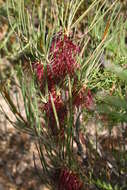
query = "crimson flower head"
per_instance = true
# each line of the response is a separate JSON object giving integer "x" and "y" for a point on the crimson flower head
{"x": 62, "y": 62}
{"x": 69, "y": 181}
{"x": 63, "y": 53}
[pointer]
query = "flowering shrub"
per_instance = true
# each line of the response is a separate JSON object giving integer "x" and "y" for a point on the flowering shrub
{"x": 67, "y": 96}
{"x": 63, "y": 62}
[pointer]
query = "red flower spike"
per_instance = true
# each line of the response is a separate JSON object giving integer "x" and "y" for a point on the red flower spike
{"x": 69, "y": 181}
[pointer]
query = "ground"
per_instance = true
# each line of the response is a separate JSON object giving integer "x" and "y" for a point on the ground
{"x": 17, "y": 171}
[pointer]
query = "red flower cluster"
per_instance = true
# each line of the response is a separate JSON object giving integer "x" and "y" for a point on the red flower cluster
{"x": 63, "y": 53}
{"x": 63, "y": 61}
{"x": 69, "y": 181}
{"x": 60, "y": 109}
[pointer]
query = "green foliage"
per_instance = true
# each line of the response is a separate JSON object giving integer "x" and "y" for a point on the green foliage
{"x": 102, "y": 185}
